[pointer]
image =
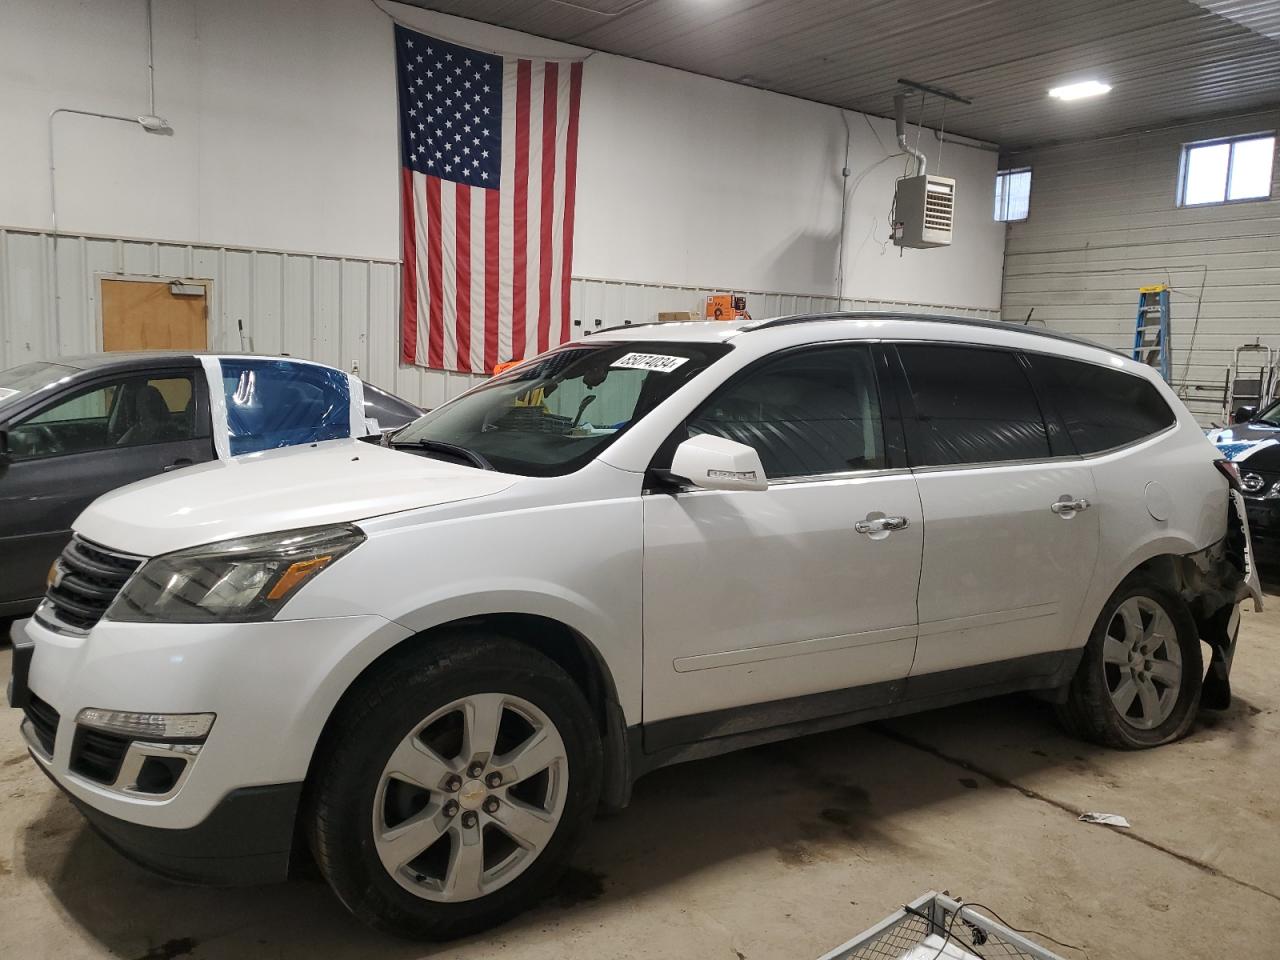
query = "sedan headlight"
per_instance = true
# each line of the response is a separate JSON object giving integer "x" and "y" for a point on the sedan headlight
{"x": 249, "y": 578}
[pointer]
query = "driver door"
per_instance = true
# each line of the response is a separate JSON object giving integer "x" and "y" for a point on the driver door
{"x": 763, "y": 608}
{"x": 70, "y": 452}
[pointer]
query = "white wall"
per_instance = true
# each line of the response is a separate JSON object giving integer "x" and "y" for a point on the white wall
{"x": 1104, "y": 221}
{"x": 285, "y": 138}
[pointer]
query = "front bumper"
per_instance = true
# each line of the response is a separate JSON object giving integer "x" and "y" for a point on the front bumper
{"x": 271, "y": 685}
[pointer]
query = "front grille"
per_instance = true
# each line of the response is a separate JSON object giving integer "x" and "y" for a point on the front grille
{"x": 97, "y": 755}
{"x": 89, "y": 578}
{"x": 44, "y": 722}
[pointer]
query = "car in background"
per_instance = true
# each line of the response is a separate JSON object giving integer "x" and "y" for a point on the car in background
{"x": 74, "y": 428}
{"x": 1252, "y": 443}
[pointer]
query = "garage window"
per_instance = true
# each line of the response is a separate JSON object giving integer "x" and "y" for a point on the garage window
{"x": 1223, "y": 171}
{"x": 1013, "y": 194}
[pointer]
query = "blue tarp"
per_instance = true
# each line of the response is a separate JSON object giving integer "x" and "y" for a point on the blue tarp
{"x": 279, "y": 403}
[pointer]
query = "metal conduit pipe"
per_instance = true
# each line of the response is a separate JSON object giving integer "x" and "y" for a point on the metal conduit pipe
{"x": 900, "y": 124}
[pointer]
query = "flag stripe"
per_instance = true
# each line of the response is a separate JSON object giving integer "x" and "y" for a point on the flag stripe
{"x": 506, "y": 277}
{"x": 533, "y": 212}
{"x": 449, "y": 268}
{"x": 435, "y": 279}
{"x": 408, "y": 272}
{"x": 479, "y": 206}
{"x": 462, "y": 243}
{"x": 519, "y": 260}
{"x": 492, "y": 267}
{"x": 570, "y": 189}
{"x": 550, "y": 101}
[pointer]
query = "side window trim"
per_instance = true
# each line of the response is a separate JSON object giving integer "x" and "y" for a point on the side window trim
{"x": 896, "y": 463}
{"x": 1060, "y": 443}
{"x": 910, "y": 416}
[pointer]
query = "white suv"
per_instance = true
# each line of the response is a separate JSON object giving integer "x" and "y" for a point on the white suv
{"x": 433, "y": 662}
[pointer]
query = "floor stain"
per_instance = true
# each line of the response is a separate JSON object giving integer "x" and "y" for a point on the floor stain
{"x": 1040, "y": 753}
{"x": 5, "y": 869}
{"x": 969, "y": 782}
{"x": 795, "y": 855}
{"x": 179, "y": 947}
{"x": 579, "y": 886}
{"x": 836, "y": 815}
{"x": 14, "y": 761}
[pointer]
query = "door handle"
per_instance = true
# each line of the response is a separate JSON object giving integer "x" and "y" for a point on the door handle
{"x": 1066, "y": 506}
{"x": 180, "y": 462}
{"x": 880, "y": 524}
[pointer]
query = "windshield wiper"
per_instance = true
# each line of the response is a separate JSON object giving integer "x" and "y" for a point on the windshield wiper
{"x": 452, "y": 449}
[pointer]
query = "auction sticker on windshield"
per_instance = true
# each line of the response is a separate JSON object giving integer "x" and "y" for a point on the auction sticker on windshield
{"x": 657, "y": 362}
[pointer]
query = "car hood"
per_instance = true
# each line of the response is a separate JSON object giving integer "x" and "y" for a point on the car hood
{"x": 332, "y": 482}
{"x": 1242, "y": 432}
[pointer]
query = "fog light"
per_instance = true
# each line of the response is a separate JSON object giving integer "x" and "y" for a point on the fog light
{"x": 148, "y": 726}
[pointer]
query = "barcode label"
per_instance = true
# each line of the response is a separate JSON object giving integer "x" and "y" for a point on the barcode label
{"x": 657, "y": 362}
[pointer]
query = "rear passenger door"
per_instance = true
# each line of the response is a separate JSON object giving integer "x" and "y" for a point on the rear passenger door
{"x": 1011, "y": 533}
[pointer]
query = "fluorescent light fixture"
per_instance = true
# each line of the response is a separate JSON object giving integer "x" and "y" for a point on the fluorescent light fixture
{"x": 1078, "y": 91}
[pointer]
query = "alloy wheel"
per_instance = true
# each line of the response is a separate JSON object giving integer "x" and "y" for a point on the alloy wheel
{"x": 470, "y": 797}
{"x": 1142, "y": 662}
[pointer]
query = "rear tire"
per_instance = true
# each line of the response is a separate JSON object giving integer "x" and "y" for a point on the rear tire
{"x": 409, "y": 764}
{"x": 1138, "y": 683}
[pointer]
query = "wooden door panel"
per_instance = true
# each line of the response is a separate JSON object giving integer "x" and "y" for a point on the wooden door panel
{"x": 146, "y": 315}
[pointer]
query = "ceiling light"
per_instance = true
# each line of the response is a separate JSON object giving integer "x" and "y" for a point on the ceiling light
{"x": 1078, "y": 91}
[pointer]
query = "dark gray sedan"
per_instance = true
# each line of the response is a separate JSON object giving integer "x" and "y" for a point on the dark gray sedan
{"x": 75, "y": 428}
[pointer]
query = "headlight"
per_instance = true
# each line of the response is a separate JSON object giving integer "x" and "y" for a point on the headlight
{"x": 249, "y": 578}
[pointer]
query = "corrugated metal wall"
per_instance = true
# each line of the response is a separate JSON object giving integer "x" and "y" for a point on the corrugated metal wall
{"x": 336, "y": 310}
{"x": 1104, "y": 222}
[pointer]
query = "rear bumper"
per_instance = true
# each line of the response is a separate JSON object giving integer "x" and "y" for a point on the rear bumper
{"x": 247, "y": 839}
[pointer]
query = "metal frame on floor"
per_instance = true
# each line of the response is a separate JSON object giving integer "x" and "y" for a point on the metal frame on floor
{"x": 936, "y": 914}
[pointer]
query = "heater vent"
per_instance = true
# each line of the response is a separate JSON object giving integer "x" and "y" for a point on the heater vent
{"x": 924, "y": 211}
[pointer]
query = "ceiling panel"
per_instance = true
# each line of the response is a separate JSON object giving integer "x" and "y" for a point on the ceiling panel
{"x": 1168, "y": 60}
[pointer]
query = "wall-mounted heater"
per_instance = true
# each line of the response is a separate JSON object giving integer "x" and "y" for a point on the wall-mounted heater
{"x": 924, "y": 211}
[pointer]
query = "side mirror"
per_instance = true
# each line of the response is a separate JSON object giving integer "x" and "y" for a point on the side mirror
{"x": 715, "y": 463}
{"x": 1244, "y": 414}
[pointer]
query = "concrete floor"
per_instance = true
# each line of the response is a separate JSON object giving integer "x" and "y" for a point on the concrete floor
{"x": 781, "y": 851}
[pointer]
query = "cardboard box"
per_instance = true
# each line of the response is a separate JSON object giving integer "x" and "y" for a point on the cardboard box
{"x": 672, "y": 316}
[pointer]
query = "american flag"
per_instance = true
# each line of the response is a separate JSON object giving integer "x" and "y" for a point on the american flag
{"x": 489, "y": 154}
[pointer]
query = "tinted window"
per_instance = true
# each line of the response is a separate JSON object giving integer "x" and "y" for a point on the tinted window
{"x": 1102, "y": 408}
{"x": 123, "y": 413}
{"x": 971, "y": 406}
{"x": 807, "y": 412}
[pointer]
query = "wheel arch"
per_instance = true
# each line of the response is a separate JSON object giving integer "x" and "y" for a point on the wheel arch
{"x": 555, "y": 639}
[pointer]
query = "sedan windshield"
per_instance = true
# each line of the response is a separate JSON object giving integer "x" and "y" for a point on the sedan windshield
{"x": 553, "y": 414}
{"x": 20, "y": 381}
{"x": 1270, "y": 416}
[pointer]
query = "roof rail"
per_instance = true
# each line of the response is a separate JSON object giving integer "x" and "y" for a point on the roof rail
{"x": 924, "y": 318}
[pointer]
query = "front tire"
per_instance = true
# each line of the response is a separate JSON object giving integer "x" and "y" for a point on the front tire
{"x": 1138, "y": 683}
{"x": 454, "y": 787}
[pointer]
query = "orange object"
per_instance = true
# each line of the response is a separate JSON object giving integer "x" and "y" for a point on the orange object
{"x": 726, "y": 306}
{"x": 720, "y": 307}
{"x": 504, "y": 365}
{"x": 298, "y": 571}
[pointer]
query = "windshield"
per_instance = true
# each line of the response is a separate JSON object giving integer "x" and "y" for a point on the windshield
{"x": 552, "y": 415}
{"x": 1270, "y": 415}
{"x": 20, "y": 381}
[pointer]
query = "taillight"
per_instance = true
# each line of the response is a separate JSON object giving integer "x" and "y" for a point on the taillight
{"x": 1231, "y": 471}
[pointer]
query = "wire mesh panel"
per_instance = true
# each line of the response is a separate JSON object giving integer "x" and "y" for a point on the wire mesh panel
{"x": 935, "y": 927}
